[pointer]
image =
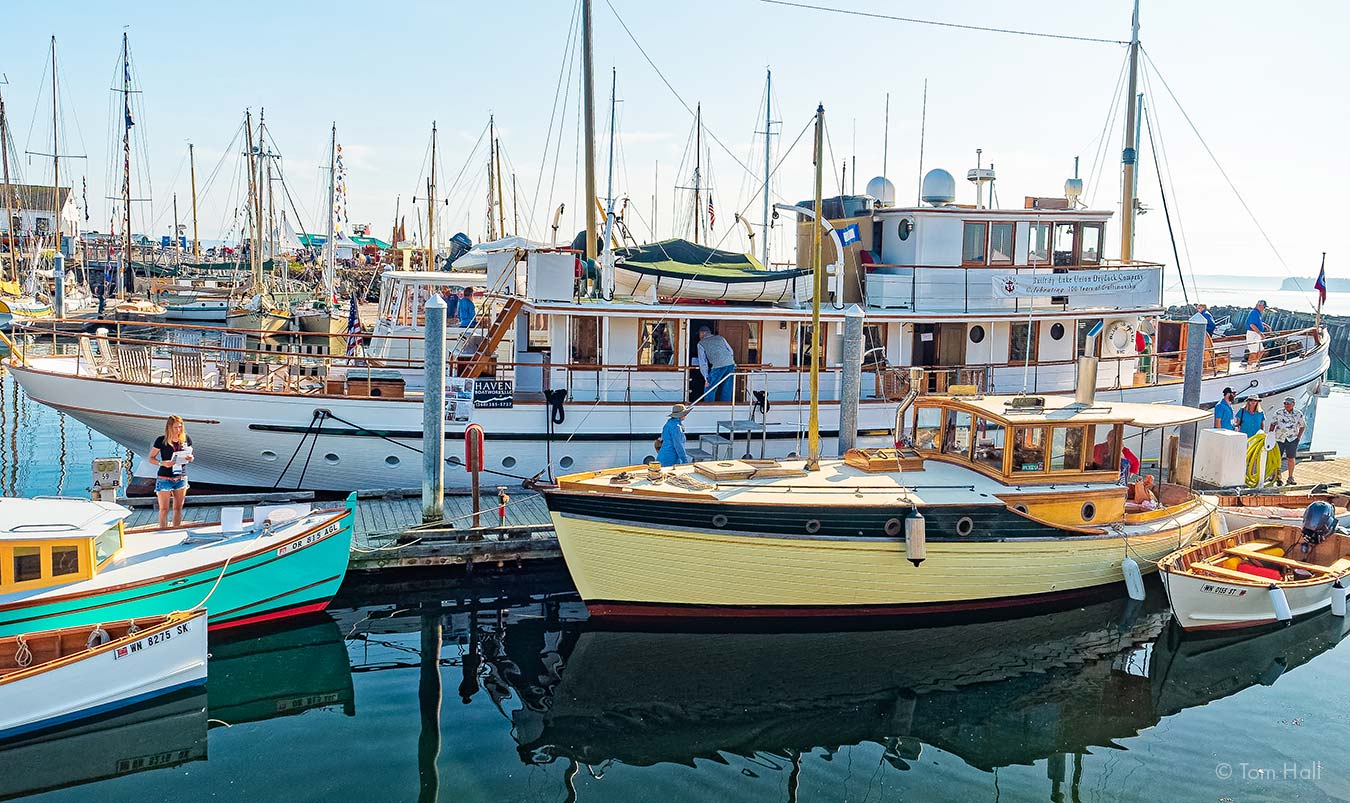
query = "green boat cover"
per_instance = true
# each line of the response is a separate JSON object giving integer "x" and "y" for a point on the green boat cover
{"x": 685, "y": 260}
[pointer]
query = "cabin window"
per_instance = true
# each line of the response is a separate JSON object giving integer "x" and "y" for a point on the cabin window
{"x": 656, "y": 342}
{"x": 1001, "y": 243}
{"x": 1066, "y": 449}
{"x": 27, "y": 563}
{"x": 1066, "y": 237}
{"x": 973, "y": 242}
{"x": 586, "y": 347}
{"x": 802, "y": 345}
{"x": 538, "y": 331}
{"x": 106, "y": 545}
{"x": 989, "y": 444}
{"x": 956, "y": 436}
{"x": 1090, "y": 253}
{"x": 1038, "y": 244}
{"x": 1028, "y": 450}
{"x": 874, "y": 345}
{"x": 1105, "y": 448}
{"x": 927, "y": 427}
{"x": 1085, "y": 326}
{"x": 65, "y": 560}
{"x": 1022, "y": 341}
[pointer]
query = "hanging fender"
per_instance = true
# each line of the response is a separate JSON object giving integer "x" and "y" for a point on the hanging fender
{"x": 555, "y": 399}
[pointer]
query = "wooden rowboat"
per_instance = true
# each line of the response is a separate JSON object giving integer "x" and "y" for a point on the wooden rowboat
{"x": 57, "y": 677}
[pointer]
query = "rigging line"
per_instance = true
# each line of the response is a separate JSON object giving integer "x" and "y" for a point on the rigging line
{"x": 1166, "y": 163}
{"x": 1255, "y": 221}
{"x": 941, "y": 24}
{"x": 564, "y": 70}
{"x": 1167, "y": 214}
{"x": 677, "y": 95}
{"x": 1102, "y": 140}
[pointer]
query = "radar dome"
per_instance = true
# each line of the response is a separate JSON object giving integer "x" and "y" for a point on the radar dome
{"x": 882, "y": 189}
{"x": 939, "y": 188}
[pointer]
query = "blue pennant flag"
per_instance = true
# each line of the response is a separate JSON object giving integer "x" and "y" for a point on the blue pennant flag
{"x": 850, "y": 235}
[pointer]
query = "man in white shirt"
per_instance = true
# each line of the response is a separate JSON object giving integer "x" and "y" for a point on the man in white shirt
{"x": 717, "y": 362}
{"x": 1287, "y": 427}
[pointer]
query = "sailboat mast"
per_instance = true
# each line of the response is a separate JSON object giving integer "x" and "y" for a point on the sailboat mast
{"x": 515, "y": 207}
{"x": 813, "y": 422}
{"x": 128, "y": 271}
{"x": 768, "y": 123}
{"x": 588, "y": 82}
{"x": 9, "y": 191}
{"x": 254, "y": 266}
{"x": 431, "y": 204}
{"x": 492, "y": 179}
{"x": 257, "y": 187}
{"x": 393, "y": 230}
{"x": 497, "y": 173}
{"x": 192, "y": 172}
{"x": 1128, "y": 156}
{"x": 698, "y": 167}
{"x": 177, "y": 251}
{"x": 609, "y": 180}
{"x": 330, "y": 250}
{"x": 56, "y": 153}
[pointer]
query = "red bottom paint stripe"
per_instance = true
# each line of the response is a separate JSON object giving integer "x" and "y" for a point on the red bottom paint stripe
{"x": 270, "y": 616}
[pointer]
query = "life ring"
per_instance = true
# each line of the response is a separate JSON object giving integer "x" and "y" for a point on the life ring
{"x": 1119, "y": 337}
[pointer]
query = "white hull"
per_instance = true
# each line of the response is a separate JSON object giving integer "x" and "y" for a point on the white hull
{"x": 1213, "y": 604}
{"x": 121, "y": 673}
{"x": 769, "y": 291}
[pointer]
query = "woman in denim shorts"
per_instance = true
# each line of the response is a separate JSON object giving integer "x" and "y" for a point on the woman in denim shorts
{"x": 171, "y": 484}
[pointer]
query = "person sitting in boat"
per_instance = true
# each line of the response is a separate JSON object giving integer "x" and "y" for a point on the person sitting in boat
{"x": 172, "y": 452}
{"x": 672, "y": 451}
{"x": 717, "y": 362}
{"x": 467, "y": 312}
{"x": 1141, "y": 496}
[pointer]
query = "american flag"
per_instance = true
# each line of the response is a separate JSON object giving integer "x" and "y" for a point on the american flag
{"x": 353, "y": 329}
{"x": 712, "y": 215}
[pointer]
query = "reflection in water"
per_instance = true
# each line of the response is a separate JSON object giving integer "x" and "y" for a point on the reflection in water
{"x": 254, "y": 678}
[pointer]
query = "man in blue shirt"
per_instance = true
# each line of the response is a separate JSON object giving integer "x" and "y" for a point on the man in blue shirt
{"x": 1210, "y": 325}
{"x": 468, "y": 313}
{"x": 1255, "y": 330}
{"x": 1250, "y": 420}
{"x": 1223, "y": 411}
{"x": 672, "y": 451}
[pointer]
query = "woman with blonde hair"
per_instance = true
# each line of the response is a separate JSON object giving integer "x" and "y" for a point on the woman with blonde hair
{"x": 172, "y": 452}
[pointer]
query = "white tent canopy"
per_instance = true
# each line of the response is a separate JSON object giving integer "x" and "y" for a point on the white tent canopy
{"x": 476, "y": 257}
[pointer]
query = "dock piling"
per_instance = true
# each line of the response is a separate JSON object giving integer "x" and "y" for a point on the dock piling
{"x": 851, "y": 391}
{"x": 1190, "y": 397}
{"x": 59, "y": 284}
{"x": 433, "y": 412}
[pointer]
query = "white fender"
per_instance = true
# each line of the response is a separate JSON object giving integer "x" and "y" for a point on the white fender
{"x": 1134, "y": 578}
{"x": 1281, "y": 603}
{"x": 916, "y": 538}
{"x": 1337, "y": 599}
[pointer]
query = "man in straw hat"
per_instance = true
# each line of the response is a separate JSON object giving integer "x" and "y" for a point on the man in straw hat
{"x": 671, "y": 451}
{"x": 1286, "y": 427}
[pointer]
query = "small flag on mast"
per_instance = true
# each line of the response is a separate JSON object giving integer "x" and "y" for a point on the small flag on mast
{"x": 353, "y": 329}
{"x": 1321, "y": 284}
{"x": 712, "y": 215}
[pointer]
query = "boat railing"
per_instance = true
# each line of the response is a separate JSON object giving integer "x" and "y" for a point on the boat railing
{"x": 970, "y": 288}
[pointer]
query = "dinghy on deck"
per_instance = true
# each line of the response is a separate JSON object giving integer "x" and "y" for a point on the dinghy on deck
{"x": 681, "y": 269}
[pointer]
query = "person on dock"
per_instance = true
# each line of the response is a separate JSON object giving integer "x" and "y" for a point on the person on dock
{"x": 1250, "y": 420}
{"x": 1256, "y": 329}
{"x": 1210, "y": 324}
{"x": 1223, "y": 411}
{"x": 717, "y": 362}
{"x": 172, "y": 452}
{"x": 1287, "y": 427}
{"x": 467, "y": 312}
{"x": 671, "y": 452}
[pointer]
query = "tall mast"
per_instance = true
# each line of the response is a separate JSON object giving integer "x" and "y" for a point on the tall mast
{"x": 515, "y": 207}
{"x": 9, "y": 191}
{"x": 393, "y": 231}
{"x": 257, "y": 186}
{"x": 330, "y": 249}
{"x": 128, "y": 270}
{"x": 609, "y": 180}
{"x": 254, "y": 265}
{"x": 492, "y": 177}
{"x": 1128, "y": 156}
{"x": 192, "y": 171}
{"x": 56, "y": 153}
{"x": 813, "y": 422}
{"x": 497, "y": 174}
{"x": 431, "y": 204}
{"x": 588, "y": 83}
{"x": 174, "y": 240}
{"x": 768, "y": 125}
{"x": 698, "y": 168}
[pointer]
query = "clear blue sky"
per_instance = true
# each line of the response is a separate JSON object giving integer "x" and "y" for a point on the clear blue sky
{"x": 1262, "y": 82}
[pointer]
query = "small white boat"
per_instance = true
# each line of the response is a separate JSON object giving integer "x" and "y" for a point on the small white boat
{"x": 60, "y": 676}
{"x": 1248, "y": 509}
{"x": 1260, "y": 575}
{"x": 680, "y": 269}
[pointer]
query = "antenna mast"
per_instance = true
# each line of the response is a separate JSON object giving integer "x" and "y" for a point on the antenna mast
{"x": 192, "y": 172}
{"x": 768, "y": 127}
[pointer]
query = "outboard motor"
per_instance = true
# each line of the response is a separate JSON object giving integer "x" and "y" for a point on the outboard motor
{"x": 1319, "y": 522}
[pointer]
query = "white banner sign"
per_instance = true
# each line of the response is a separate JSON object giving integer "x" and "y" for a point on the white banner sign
{"x": 1078, "y": 282}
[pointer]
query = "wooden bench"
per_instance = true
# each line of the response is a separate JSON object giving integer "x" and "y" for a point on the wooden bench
{"x": 1231, "y": 574}
{"x": 1253, "y": 546}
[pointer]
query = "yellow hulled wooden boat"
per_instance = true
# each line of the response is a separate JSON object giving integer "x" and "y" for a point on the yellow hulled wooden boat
{"x": 995, "y": 502}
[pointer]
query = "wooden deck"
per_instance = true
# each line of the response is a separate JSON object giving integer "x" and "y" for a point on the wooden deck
{"x": 389, "y": 533}
{"x": 1333, "y": 473}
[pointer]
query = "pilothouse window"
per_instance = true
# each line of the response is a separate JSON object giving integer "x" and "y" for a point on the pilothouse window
{"x": 973, "y": 239}
{"x": 1038, "y": 247}
{"x": 1000, "y": 243}
{"x": 1091, "y": 250}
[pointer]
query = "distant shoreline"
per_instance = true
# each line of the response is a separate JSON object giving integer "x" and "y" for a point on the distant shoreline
{"x": 1306, "y": 285}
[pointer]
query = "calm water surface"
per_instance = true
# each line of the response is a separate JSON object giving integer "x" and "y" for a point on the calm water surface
{"x": 527, "y": 700}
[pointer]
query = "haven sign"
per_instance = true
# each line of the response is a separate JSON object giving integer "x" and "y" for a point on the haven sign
{"x": 1079, "y": 282}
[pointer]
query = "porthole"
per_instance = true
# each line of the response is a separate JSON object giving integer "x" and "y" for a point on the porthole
{"x": 1020, "y": 508}
{"x": 508, "y": 462}
{"x": 1057, "y": 331}
{"x": 566, "y": 462}
{"x": 977, "y": 334}
{"x": 392, "y": 460}
{"x": 965, "y": 526}
{"x": 1089, "y": 511}
{"x": 454, "y": 461}
{"x": 331, "y": 459}
{"x": 269, "y": 455}
{"x": 813, "y": 526}
{"x": 893, "y": 527}
{"x": 651, "y": 458}
{"x": 905, "y": 228}
{"x": 719, "y": 521}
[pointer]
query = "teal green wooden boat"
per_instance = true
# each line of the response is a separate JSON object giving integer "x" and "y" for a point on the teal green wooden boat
{"x": 69, "y": 562}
